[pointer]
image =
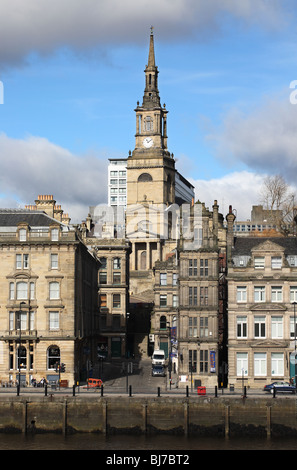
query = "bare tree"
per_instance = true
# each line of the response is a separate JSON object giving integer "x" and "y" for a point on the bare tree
{"x": 278, "y": 201}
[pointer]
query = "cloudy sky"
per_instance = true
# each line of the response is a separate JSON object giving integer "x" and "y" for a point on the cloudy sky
{"x": 72, "y": 71}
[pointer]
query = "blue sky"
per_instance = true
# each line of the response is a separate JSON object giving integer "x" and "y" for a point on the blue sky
{"x": 73, "y": 72}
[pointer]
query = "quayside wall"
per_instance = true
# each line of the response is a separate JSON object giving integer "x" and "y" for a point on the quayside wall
{"x": 147, "y": 415}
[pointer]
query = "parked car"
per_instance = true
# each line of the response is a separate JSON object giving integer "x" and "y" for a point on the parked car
{"x": 158, "y": 371}
{"x": 284, "y": 387}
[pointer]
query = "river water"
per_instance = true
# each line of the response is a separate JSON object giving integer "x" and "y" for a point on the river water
{"x": 140, "y": 443}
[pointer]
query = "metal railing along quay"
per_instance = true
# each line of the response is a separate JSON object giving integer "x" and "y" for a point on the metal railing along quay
{"x": 112, "y": 390}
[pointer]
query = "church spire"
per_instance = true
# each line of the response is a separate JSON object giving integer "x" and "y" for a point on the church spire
{"x": 151, "y": 59}
{"x": 151, "y": 117}
{"x": 151, "y": 93}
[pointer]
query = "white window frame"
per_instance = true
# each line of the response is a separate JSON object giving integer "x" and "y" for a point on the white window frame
{"x": 54, "y": 320}
{"x": 241, "y": 364}
{"x": 276, "y": 294}
{"x": 22, "y": 261}
{"x": 277, "y": 328}
{"x": 293, "y": 334}
{"x": 241, "y": 294}
{"x": 22, "y": 234}
{"x": 260, "y": 364}
{"x": 54, "y": 234}
{"x": 241, "y": 326}
{"x": 54, "y": 261}
{"x": 174, "y": 300}
{"x": 293, "y": 294}
{"x": 277, "y": 364}
{"x": 276, "y": 262}
{"x": 21, "y": 290}
{"x": 259, "y": 293}
{"x": 259, "y": 262}
{"x": 54, "y": 290}
{"x": 259, "y": 321}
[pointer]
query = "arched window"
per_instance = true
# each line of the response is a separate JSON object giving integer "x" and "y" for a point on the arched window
{"x": 54, "y": 290}
{"x": 145, "y": 178}
{"x": 148, "y": 123}
{"x": 21, "y": 290}
{"x": 53, "y": 357}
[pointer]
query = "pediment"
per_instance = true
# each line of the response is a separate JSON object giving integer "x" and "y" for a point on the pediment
{"x": 268, "y": 343}
{"x": 268, "y": 306}
{"x": 22, "y": 274}
{"x": 267, "y": 245}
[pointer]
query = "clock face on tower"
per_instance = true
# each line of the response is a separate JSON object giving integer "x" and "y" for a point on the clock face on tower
{"x": 147, "y": 142}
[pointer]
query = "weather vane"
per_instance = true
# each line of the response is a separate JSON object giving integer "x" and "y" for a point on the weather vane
{"x": 152, "y": 29}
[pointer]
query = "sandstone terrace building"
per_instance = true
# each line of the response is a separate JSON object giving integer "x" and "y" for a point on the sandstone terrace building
{"x": 48, "y": 295}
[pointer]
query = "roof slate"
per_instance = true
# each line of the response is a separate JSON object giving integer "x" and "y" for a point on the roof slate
{"x": 11, "y": 218}
{"x": 244, "y": 245}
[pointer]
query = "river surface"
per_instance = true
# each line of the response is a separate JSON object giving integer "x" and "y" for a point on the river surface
{"x": 139, "y": 443}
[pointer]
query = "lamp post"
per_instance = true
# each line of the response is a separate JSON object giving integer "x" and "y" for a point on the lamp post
{"x": 19, "y": 351}
{"x": 294, "y": 303}
{"x": 170, "y": 354}
{"x": 126, "y": 351}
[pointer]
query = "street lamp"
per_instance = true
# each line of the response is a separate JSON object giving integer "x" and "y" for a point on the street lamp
{"x": 126, "y": 351}
{"x": 170, "y": 354}
{"x": 294, "y": 303}
{"x": 19, "y": 351}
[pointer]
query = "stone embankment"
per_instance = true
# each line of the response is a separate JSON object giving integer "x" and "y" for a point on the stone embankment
{"x": 193, "y": 415}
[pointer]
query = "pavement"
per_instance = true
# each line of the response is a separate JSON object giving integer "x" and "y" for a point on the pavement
{"x": 135, "y": 376}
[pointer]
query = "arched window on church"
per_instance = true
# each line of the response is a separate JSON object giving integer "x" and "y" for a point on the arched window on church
{"x": 148, "y": 123}
{"x": 145, "y": 178}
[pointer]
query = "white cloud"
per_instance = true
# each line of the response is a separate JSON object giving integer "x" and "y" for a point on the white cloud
{"x": 35, "y": 166}
{"x": 43, "y": 26}
{"x": 241, "y": 190}
{"x": 264, "y": 139}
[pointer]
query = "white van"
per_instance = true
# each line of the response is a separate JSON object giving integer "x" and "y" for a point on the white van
{"x": 158, "y": 357}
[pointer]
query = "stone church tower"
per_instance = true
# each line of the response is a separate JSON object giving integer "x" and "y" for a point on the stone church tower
{"x": 150, "y": 184}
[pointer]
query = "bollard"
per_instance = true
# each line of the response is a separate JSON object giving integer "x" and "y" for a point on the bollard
{"x": 102, "y": 390}
{"x": 216, "y": 391}
{"x": 244, "y": 392}
{"x": 274, "y": 392}
{"x": 45, "y": 390}
{"x": 187, "y": 390}
{"x": 73, "y": 391}
{"x": 158, "y": 391}
{"x": 130, "y": 390}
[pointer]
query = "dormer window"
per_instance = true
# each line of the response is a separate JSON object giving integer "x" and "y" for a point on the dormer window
{"x": 22, "y": 234}
{"x": 259, "y": 262}
{"x": 54, "y": 234}
{"x": 276, "y": 262}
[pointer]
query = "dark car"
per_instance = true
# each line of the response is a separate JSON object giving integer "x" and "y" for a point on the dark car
{"x": 158, "y": 371}
{"x": 284, "y": 387}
